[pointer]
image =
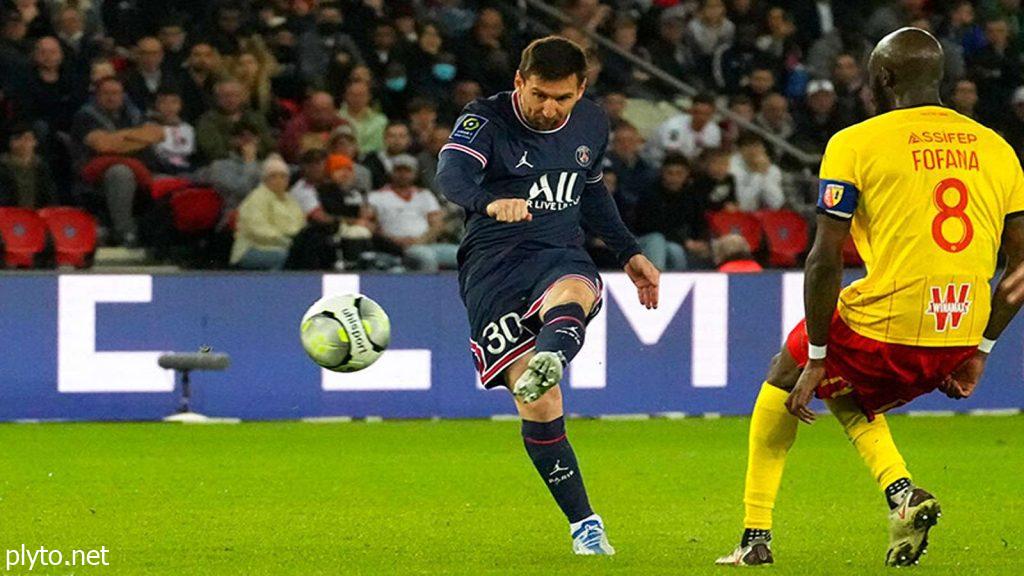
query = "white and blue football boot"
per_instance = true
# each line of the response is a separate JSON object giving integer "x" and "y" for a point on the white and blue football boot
{"x": 589, "y": 537}
{"x": 543, "y": 373}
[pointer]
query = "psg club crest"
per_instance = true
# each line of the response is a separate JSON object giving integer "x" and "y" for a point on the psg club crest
{"x": 833, "y": 195}
{"x": 583, "y": 156}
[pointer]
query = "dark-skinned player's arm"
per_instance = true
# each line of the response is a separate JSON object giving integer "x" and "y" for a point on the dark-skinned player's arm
{"x": 601, "y": 216}
{"x": 1006, "y": 301}
{"x": 823, "y": 278}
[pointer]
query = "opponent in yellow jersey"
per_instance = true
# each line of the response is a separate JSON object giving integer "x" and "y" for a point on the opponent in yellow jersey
{"x": 928, "y": 191}
{"x": 929, "y": 197}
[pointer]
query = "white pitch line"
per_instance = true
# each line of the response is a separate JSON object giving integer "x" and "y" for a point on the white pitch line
{"x": 930, "y": 413}
{"x": 995, "y": 412}
{"x": 623, "y": 417}
{"x": 327, "y": 419}
{"x": 671, "y": 415}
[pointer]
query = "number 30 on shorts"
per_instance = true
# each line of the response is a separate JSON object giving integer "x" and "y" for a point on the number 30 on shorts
{"x": 948, "y": 212}
{"x": 506, "y": 330}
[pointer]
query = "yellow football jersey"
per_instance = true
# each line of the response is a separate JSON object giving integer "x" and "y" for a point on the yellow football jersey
{"x": 928, "y": 191}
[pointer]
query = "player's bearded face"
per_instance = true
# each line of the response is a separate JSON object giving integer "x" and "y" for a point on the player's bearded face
{"x": 547, "y": 103}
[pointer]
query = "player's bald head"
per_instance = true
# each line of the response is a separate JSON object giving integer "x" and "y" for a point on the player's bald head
{"x": 906, "y": 63}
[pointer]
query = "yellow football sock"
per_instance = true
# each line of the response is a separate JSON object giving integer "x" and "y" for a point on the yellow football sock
{"x": 772, "y": 433}
{"x": 872, "y": 439}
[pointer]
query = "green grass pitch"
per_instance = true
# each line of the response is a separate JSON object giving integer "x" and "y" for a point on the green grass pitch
{"x": 460, "y": 497}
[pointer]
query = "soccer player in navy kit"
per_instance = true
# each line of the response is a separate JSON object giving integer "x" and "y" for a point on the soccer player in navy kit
{"x": 526, "y": 166}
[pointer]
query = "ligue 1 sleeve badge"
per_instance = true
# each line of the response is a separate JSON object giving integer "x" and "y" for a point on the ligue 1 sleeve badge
{"x": 583, "y": 156}
{"x": 833, "y": 195}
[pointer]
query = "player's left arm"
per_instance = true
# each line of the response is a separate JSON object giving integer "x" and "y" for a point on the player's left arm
{"x": 602, "y": 217}
{"x": 1006, "y": 302}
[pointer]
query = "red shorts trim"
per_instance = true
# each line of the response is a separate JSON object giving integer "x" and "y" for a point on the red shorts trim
{"x": 879, "y": 375}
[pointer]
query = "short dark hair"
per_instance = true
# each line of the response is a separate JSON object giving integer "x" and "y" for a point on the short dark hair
{"x": 703, "y": 98}
{"x": 675, "y": 159}
{"x": 420, "y": 103}
{"x": 313, "y": 156}
{"x": 18, "y": 129}
{"x": 553, "y": 58}
{"x": 748, "y": 139}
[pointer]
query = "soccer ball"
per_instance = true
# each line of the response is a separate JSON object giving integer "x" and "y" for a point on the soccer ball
{"x": 345, "y": 333}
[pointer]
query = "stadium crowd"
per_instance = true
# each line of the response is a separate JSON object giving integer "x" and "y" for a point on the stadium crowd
{"x": 315, "y": 124}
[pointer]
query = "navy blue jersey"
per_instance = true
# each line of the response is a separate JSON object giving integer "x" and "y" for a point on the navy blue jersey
{"x": 493, "y": 153}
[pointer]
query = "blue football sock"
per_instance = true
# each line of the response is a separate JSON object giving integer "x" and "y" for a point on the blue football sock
{"x": 552, "y": 455}
{"x": 565, "y": 327}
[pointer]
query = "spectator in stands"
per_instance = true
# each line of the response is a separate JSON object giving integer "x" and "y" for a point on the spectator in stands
{"x": 964, "y": 98}
{"x": 825, "y": 50}
{"x": 369, "y": 124}
{"x": 174, "y": 153}
{"x": 202, "y": 71}
{"x": 396, "y": 93}
{"x": 214, "y": 128}
{"x": 15, "y": 64}
{"x": 239, "y": 173}
{"x": 397, "y": 141}
{"x": 732, "y": 255}
{"x": 329, "y": 42}
{"x": 143, "y": 83}
{"x": 486, "y": 57}
{"x": 634, "y": 175}
{"x": 758, "y": 180}
{"x": 774, "y": 117}
{"x": 253, "y": 68}
{"x": 268, "y": 219}
{"x": 54, "y": 92}
{"x": 588, "y": 14}
{"x": 1010, "y": 11}
{"x": 227, "y": 30}
{"x": 708, "y": 32}
{"x": 742, "y": 107}
{"x": 25, "y": 180}
{"x": 310, "y": 129}
{"x": 422, "y": 121}
{"x": 962, "y": 29}
{"x": 760, "y": 83}
{"x": 852, "y": 91}
{"x": 427, "y": 157}
{"x": 313, "y": 172}
{"x": 343, "y": 141}
{"x": 821, "y": 117}
{"x": 614, "y": 105}
{"x": 1014, "y": 127}
{"x": 434, "y": 68}
{"x": 688, "y": 134}
{"x": 670, "y": 219}
{"x": 996, "y": 70}
{"x": 466, "y": 91}
{"x": 670, "y": 52}
{"x": 779, "y": 42}
{"x": 733, "y": 64}
{"x": 111, "y": 141}
{"x": 386, "y": 48}
{"x": 172, "y": 38}
{"x": 714, "y": 183}
{"x": 410, "y": 220}
{"x": 889, "y": 17}
{"x": 70, "y": 28}
{"x": 35, "y": 15}
{"x": 619, "y": 73}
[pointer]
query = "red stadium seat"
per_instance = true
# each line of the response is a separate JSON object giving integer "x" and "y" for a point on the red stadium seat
{"x": 161, "y": 187}
{"x": 24, "y": 238}
{"x": 851, "y": 257}
{"x": 74, "y": 235}
{"x": 196, "y": 210}
{"x": 741, "y": 223}
{"x": 787, "y": 236}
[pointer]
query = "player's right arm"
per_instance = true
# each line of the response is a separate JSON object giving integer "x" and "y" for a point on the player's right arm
{"x": 461, "y": 167}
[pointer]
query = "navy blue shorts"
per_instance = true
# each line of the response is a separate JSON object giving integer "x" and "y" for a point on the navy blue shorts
{"x": 503, "y": 300}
